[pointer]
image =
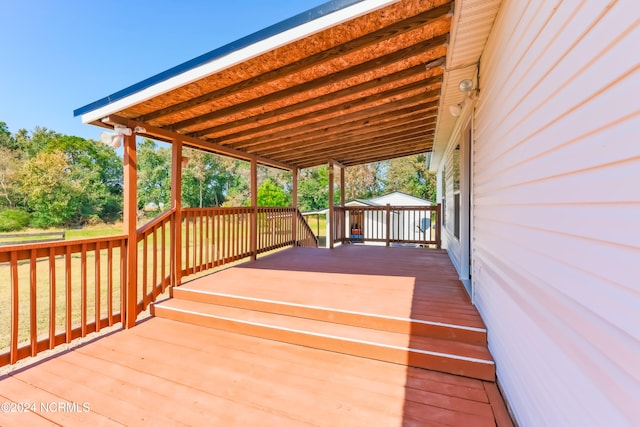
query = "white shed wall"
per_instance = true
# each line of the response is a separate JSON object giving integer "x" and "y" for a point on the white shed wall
{"x": 556, "y": 225}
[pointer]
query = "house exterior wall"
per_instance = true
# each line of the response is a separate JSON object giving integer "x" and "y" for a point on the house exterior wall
{"x": 556, "y": 200}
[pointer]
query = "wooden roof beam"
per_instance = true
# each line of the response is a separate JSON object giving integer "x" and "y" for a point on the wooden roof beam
{"x": 343, "y": 93}
{"x": 322, "y": 143}
{"x": 381, "y": 113}
{"x": 388, "y": 156}
{"x": 169, "y": 136}
{"x": 304, "y": 134}
{"x": 399, "y": 55}
{"x": 367, "y": 146}
{"x": 365, "y": 112}
{"x": 397, "y": 28}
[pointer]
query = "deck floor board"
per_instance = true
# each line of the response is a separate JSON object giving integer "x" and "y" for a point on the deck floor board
{"x": 164, "y": 372}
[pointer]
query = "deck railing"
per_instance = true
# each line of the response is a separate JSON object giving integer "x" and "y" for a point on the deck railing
{"x": 418, "y": 225}
{"x": 156, "y": 255}
{"x": 304, "y": 234}
{"x": 218, "y": 236}
{"x": 52, "y": 293}
{"x": 214, "y": 237}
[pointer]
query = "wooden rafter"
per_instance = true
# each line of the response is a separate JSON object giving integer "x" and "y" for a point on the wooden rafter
{"x": 356, "y": 70}
{"x": 360, "y": 90}
{"x": 319, "y": 100}
{"x": 399, "y": 27}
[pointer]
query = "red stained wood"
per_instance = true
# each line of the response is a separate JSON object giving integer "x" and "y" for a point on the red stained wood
{"x": 500, "y": 411}
{"x": 399, "y": 282}
{"x": 164, "y": 372}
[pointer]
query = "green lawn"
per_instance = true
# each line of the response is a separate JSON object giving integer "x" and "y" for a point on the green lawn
{"x": 314, "y": 221}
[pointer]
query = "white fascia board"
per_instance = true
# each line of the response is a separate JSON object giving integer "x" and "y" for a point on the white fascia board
{"x": 239, "y": 56}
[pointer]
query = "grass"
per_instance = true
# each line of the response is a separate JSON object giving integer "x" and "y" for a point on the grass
{"x": 314, "y": 221}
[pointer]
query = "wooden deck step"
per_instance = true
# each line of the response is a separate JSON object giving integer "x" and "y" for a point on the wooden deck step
{"x": 471, "y": 360}
{"x": 415, "y": 327}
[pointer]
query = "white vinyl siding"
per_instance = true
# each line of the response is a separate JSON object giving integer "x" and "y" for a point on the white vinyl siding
{"x": 556, "y": 224}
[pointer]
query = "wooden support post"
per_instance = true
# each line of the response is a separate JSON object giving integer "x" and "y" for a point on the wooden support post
{"x": 438, "y": 225}
{"x": 294, "y": 205}
{"x": 342, "y": 186}
{"x": 130, "y": 229}
{"x": 388, "y": 213}
{"x": 254, "y": 206}
{"x": 176, "y": 203}
{"x": 331, "y": 207}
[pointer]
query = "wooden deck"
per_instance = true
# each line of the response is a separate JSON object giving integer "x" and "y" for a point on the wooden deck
{"x": 168, "y": 372}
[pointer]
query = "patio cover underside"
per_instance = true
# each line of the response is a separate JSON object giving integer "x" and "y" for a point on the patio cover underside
{"x": 362, "y": 90}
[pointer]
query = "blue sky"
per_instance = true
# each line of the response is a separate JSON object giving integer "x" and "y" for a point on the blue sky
{"x": 57, "y": 56}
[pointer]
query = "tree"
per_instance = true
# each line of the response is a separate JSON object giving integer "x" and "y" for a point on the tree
{"x": 411, "y": 176}
{"x": 6, "y": 139}
{"x": 204, "y": 180}
{"x": 269, "y": 194}
{"x": 99, "y": 168}
{"x": 51, "y": 194}
{"x": 9, "y": 169}
{"x": 313, "y": 189}
{"x": 237, "y": 189}
{"x": 154, "y": 178}
{"x": 364, "y": 181}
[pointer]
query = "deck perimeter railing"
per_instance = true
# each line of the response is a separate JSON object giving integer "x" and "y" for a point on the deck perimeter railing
{"x": 214, "y": 237}
{"x": 54, "y": 292}
{"x": 218, "y": 236}
{"x": 156, "y": 254}
{"x": 388, "y": 224}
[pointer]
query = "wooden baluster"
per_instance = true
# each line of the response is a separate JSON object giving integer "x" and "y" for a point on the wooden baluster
{"x": 33, "y": 314}
{"x": 52, "y": 297}
{"x": 97, "y": 286}
{"x": 123, "y": 280}
{"x": 154, "y": 277}
{"x": 68, "y": 302}
{"x": 145, "y": 270}
{"x": 83, "y": 289}
{"x": 14, "y": 308}
{"x": 110, "y": 282}
{"x": 163, "y": 258}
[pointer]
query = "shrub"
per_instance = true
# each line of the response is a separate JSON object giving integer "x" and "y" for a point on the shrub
{"x": 13, "y": 220}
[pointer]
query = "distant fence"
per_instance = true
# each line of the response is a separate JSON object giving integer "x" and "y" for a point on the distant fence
{"x": 23, "y": 238}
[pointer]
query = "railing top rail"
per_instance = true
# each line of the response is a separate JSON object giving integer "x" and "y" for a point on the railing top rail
{"x": 157, "y": 220}
{"x": 218, "y": 208}
{"x": 63, "y": 243}
{"x": 393, "y": 207}
{"x": 40, "y": 234}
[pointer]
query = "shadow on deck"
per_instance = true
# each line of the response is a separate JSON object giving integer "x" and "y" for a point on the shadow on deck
{"x": 302, "y": 336}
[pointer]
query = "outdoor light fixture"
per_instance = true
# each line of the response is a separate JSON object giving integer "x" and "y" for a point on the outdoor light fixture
{"x": 455, "y": 110}
{"x": 185, "y": 161}
{"x": 114, "y": 140}
{"x": 465, "y": 85}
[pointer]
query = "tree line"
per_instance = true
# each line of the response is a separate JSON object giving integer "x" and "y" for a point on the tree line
{"x": 48, "y": 179}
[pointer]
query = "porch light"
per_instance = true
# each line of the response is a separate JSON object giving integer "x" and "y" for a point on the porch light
{"x": 114, "y": 140}
{"x": 465, "y": 85}
{"x": 455, "y": 110}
